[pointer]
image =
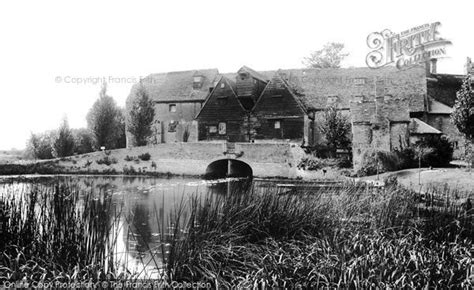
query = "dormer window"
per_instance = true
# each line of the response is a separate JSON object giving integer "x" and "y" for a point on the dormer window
{"x": 197, "y": 82}
{"x": 172, "y": 108}
{"x": 359, "y": 81}
{"x": 332, "y": 99}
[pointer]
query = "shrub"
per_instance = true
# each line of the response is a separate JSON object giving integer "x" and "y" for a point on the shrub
{"x": 374, "y": 161}
{"x": 310, "y": 163}
{"x": 145, "y": 156}
{"x": 107, "y": 161}
{"x": 129, "y": 170}
{"x": 321, "y": 150}
{"x": 344, "y": 162}
{"x": 407, "y": 157}
{"x": 128, "y": 158}
{"x": 441, "y": 152}
{"x": 88, "y": 163}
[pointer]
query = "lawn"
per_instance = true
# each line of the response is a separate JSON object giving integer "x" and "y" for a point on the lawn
{"x": 455, "y": 178}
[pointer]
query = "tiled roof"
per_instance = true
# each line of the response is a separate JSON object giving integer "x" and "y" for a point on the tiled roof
{"x": 435, "y": 107}
{"x": 178, "y": 86}
{"x": 316, "y": 86}
{"x": 446, "y": 79}
{"x": 419, "y": 127}
{"x": 254, "y": 73}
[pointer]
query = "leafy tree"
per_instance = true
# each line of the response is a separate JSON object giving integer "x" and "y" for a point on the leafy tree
{"x": 335, "y": 128}
{"x": 140, "y": 116}
{"x": 121, "y": 141}
{"x": 330, "y": 56}
{"x": 104, "y": 121}
{"x": 63, "y": 143}
{"x": 463, "y": 115}
{"x": 39, "y": 145}
{"x": 84, "y": 140}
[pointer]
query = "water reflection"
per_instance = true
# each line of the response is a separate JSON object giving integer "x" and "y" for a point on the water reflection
{"x": 142, "y": 211}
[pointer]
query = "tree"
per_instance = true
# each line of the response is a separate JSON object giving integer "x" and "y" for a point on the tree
{"x": 335, "y": 128}
{"x": 39, "y": 145}
{"x": 140, "y": 116}
{"x": 463, "y": 115}
{"x": 121, "y": 141}
{"x": 84, "y": 140}
{"x": 330, "y": 56}
{"x": 104, "y": 122}
{"x": 63, "y": 143}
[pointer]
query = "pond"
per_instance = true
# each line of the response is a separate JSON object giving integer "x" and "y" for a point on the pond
{"x": 142, "y": 209}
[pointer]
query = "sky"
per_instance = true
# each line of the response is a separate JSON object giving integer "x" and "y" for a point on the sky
{"x": 55, "y": 54}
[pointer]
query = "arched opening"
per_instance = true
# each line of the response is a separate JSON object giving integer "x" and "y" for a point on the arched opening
{"x": 228, "y": 168}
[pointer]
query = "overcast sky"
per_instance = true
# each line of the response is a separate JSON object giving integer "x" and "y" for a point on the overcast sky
{"x": 45, "y": 46}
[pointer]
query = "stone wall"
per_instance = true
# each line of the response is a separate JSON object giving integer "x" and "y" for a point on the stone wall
{"x": 266, "y": 160}
{"x": 379, "y": 124}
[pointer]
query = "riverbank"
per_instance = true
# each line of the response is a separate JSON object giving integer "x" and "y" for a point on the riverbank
{"x": 181, "y": 159}
{"x": 460, "y": 179}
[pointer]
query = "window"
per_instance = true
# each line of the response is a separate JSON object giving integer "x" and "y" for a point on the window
{"x": 212, "y": 129}
{"x": 172, "y": 126}
{"x": 222, "y": 128}
{"x": 332, "y": 99}
{"x": 197, "y": 82}
{"x": 173, "y": 108}
{"x": 222, "y": 85}
{"x": 359, "y": 81}
{"x": 277, "y": 124}
{"x": 455, "y": 145}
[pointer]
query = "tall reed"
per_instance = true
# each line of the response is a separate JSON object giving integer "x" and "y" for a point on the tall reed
{"x": 57, "y": 231}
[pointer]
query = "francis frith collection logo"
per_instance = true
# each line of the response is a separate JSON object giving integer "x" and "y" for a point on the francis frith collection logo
{"x": 410, "y": 47}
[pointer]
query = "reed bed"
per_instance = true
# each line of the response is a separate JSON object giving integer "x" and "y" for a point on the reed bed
{"x": 56, "y": 232}
{"x": 349, "y": 237}
{"x": 346, "y": 236}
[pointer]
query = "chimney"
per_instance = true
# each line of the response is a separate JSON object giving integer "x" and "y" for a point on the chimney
{"x": 433, "y": 63}
{"x": 468, "y": 66}
{"x": 430, "y": 66}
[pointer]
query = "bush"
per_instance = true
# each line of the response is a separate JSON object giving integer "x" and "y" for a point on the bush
{"x": 107, "y": 161}
{"x": 374, "y": 161}
{"x": 321, "y": 150}
{"x": 145, "y": 156}
{"x": 407, "y": 158}
{"x": 441, "y": 152}
{"x": 128, "y": 158}
{"x": 310, "y": 163}
{"x": 129, "y": 170}
{"x": 344, "y": 162}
